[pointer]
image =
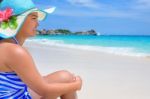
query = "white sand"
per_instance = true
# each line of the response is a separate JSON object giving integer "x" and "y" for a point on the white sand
{"x": 105, "y": 76}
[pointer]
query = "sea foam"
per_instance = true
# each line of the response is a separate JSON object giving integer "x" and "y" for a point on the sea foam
{"x": 127, "y": 51}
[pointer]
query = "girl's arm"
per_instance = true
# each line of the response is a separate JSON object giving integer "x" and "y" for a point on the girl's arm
{"x": 20, "y": 61}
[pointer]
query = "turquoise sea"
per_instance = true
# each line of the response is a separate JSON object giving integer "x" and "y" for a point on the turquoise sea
{"x": 122, "y": 45}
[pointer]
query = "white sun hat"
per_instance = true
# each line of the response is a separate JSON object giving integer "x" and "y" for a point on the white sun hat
{"x": 13, "y": 14}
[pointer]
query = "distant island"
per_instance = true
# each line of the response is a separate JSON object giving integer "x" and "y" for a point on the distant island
{"x": 65, "y": 32}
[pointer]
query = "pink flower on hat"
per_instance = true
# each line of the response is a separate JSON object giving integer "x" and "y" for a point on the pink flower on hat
{"x": 7, "y": 19}
{"x": 6, "y": 14}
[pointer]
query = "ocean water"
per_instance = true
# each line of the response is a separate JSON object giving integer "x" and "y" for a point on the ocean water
{"x": 122, "y": 45}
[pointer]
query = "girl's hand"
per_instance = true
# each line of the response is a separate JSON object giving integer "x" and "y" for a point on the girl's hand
{"x": 78, "y": 80}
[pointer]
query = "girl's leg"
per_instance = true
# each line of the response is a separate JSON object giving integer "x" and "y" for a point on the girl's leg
{"x": 58, "y": 77}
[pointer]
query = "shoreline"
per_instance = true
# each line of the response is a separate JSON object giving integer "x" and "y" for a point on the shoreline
{"x": 105, "y": 76}
{"x": 121, "y": 51}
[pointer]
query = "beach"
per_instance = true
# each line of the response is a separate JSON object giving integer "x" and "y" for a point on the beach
{"x": 104, "y": 75}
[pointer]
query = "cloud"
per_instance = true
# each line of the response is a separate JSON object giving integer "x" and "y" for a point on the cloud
{"x": 85, "y": 3}
{"x": 134, "y": 9}
{"x": 142, "y": 4}
{"x": 96, "y": 13}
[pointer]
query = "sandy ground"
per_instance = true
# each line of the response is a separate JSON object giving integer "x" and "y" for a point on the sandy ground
{"x": 105, "y": 76}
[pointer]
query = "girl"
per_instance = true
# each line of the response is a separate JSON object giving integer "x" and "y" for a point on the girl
{"x": 18, "y": 73}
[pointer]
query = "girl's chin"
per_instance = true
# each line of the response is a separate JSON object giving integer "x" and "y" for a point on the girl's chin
{"x": 32, "y": 34}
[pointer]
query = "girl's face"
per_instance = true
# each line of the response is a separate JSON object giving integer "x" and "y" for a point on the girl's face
{"x": 30, "y": 24}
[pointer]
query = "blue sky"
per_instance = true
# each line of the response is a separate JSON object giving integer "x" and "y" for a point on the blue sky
{"x": 117, "y": 17}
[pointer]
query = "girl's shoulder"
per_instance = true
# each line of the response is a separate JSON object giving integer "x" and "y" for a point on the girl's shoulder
{"x": 11, "y": 47}
{"x": 12, "y": 54}
{"x": 12, "y": 50}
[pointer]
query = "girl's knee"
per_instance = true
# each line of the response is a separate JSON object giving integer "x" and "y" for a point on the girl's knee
{"x": 62, "y": 76}
{"x": 66, "y": 76}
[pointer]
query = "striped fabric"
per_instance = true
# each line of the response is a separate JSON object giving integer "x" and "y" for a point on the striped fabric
{"x": 11, "y": 87}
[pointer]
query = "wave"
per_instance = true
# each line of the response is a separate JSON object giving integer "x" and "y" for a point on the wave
{"x": 127, "y": 51}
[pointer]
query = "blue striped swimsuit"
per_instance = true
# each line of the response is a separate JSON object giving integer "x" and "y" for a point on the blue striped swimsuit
{"x": 12, "y": 87}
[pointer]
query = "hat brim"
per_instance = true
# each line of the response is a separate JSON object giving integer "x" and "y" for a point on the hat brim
{"x": 9, "y": 33}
